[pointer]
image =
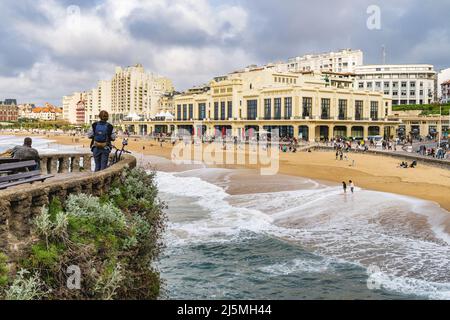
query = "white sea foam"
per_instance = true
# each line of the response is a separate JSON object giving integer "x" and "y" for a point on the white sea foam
{"x": 367, "y": 228}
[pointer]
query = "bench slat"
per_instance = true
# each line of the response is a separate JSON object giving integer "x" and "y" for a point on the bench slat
{"x": 17, "y": 183}
{"x": 20, "y": 176}
{"x": 17, "y": 165}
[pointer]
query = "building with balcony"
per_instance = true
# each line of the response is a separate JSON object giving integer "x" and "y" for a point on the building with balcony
{"x": 343, "y": 61}
{"x": 9, "y": 113}
{"x": 407, "y": 84}
{"x": 445, "y": 92}
{"x": 301, "y": 105}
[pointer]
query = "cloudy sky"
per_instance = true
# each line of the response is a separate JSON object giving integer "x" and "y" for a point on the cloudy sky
{"x": 51, "y": 48}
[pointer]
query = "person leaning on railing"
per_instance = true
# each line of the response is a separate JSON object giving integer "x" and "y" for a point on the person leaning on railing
{"x": 102, "y": 134}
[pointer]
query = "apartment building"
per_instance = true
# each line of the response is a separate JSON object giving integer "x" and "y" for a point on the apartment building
{"x": 9, "y": 113}
{"x": 407, "y": 84}
{"x": 301, "y": 105}
{"x": 130, "y": 93}
{"x": 343, "y": 61}
{"x": 445, "y": 92}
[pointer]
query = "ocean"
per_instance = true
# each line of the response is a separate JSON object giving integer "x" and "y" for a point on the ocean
{"x": 236, "y": 235}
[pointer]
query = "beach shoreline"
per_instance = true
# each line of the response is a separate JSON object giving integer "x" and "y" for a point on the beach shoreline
{"x": 371, "y": 172}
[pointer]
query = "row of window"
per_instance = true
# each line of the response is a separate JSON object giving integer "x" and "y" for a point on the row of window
{"x": 252, "y": 109}
{"x": 224, "y": 110}
{"x": 277, "y": 108}
{"x": 387, "y": 84}
{"x": 285, "y": 80}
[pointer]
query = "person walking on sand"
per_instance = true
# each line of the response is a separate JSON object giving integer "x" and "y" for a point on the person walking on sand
{"x": 352, "y": 186}
{"x": 344, "y": 186}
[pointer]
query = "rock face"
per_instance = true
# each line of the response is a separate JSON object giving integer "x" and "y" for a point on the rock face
{"x": 19, "y": 205}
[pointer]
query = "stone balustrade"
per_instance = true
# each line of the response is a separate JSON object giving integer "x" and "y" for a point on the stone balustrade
{"x": 20, "y": 205}
{"x": 65, "y": 163}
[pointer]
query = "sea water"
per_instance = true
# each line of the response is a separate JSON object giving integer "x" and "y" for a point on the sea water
{"x": 236, "y": 235}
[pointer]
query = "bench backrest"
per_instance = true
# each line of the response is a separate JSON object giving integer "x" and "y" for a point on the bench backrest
{"x": 17, "y": 165}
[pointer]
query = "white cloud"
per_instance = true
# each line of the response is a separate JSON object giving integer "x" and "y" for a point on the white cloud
{"x": 78, "y": 49}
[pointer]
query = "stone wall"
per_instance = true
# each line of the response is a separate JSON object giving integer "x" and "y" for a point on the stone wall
{"x": 19, "y": 205}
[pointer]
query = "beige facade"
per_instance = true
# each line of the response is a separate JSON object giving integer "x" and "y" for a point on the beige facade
{"x": 70, "y": 105}
{"x": 415, "y": 125}
{"x": 263, "y": 99}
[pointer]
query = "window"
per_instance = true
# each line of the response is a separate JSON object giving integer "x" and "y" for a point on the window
{"x": 374, "y": 110}
{"x": 216, "y": 111}
{"x": 342, "y": 109}
{"x": 359, "y": 109}
{"x": 404, "y": 84}
{"x": 412, "y": 93}
{"x": 184, "y": 111}
{"x": 252, "y": 109}
{"x": 202, "y": 111}
{"x": 287, "y": 108}
{"x": 369, "y": 85}
{"x": 412, "y": 84}
{"x": 179, "y": 112}
{"x": 191, "y": 111}
{"x": 325, "y": 114}
{"x": 387, "y": 85}
{"x": 277, "y": 108}
{"x": 267, "y": 109}
{"x": 222, "y": 111}
{"x": 230, "y": 109}
{"x": 307, "y": 108}
{"x": 361, "y": 85}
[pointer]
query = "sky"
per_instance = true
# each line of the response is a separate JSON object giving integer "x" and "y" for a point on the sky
{"x": 51, "y": 48}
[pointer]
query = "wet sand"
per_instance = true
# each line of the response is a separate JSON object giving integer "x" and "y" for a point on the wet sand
{"x": 371, "y": 172}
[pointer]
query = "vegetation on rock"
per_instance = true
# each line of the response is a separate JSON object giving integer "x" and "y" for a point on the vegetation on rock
{"x": 113, "y": 241}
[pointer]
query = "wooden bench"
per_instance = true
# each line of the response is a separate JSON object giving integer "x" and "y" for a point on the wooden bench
{"x": 20, "y": 174}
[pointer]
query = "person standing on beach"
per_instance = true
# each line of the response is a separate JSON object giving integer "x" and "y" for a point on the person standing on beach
{"x": 344, "y": 186}
{"x": 102, "y": 134}
{"x": 352, "y": 186}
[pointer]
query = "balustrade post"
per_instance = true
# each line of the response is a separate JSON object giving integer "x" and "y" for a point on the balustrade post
{"x": 76, "y": 164}
{"x": 43, "y": 165}
{"x": 64, "y": 164}
{"x": 53, "y": 165}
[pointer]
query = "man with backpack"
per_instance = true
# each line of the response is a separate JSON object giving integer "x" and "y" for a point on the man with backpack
{"x": 102, "y": 134}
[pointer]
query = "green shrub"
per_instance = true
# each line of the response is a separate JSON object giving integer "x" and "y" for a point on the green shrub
{"x": 114, "y": 240}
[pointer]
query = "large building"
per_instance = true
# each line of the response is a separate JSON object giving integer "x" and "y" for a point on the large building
{"x": 46, "y": 113}
{"x": 414, "y": 125}
{"x": 405, "y": 84}
{"x": 9, "y": 102}
{"x": 445, "y": 92}
{"x": 9, "y": 113}
{"x": 131, "y": 93}
{"x": 343, "y": 61}
{"x": 301, "y": 105}
{"x": 443, "y": 77}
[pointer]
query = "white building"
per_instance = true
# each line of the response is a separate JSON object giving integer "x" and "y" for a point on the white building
{"x": 405, "y": 84}
{"x": 70, "y": 106}
{"x": 445, "y": 91}
{"x": 443, "y": 76}
{"x": 135, "y": 92}
{"x": 131, "y": 92}
{"x": 343, "y": 61}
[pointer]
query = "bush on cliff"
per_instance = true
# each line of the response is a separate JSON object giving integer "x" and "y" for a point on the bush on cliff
{"x": 112, "y": 241}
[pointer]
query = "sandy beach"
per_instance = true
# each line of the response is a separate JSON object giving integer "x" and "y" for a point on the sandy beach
{"x": 371, "y": 172}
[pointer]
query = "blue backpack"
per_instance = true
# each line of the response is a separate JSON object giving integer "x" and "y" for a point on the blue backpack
{"x": 101, "y": 135}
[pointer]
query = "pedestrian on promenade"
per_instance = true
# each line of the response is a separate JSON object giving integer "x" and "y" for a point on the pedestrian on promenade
{"x": 344, "y": 186}
{"x": 102, "y": 134}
